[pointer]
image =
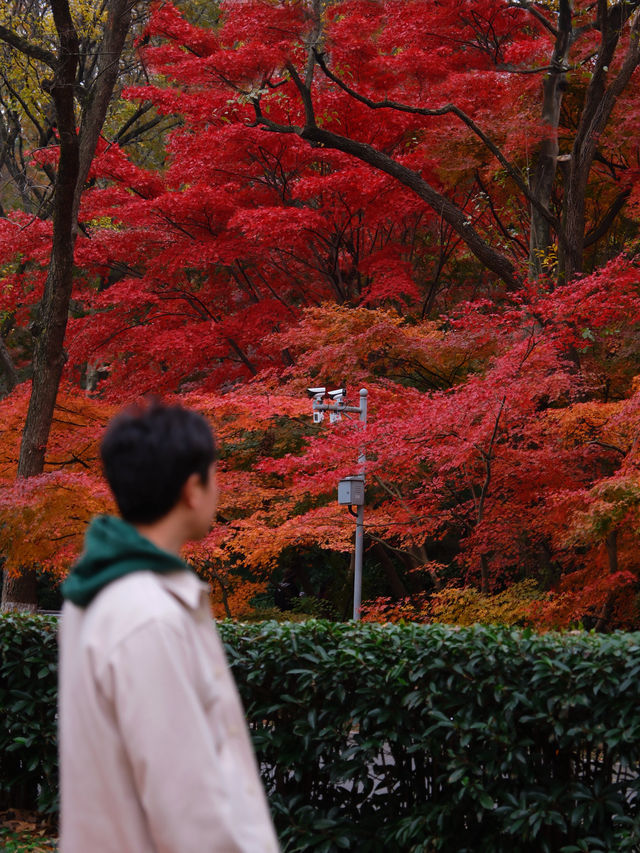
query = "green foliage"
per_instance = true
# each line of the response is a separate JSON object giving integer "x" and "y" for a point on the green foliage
{"x": 28, "y": 690}
{"x": 421, "y": 738}
{"x": 19, "y": 842}
{"x": 412, "y": 737}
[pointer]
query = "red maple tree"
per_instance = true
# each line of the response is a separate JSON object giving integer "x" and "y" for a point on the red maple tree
{"x": 437, "y": 202}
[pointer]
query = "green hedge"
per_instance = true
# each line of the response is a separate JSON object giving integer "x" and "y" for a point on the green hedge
{"x": 431, "y": 738}
{"x": 423, "y": 738}
{"x": 28, "y": 688}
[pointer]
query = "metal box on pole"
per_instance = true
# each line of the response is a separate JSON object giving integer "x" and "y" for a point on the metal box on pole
{"x": 351, "y": 491}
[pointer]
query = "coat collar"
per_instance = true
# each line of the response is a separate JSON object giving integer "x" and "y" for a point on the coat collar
{"x": 186, "y": 587}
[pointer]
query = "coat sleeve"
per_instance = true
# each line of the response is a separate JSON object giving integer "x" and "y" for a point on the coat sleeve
{"x": 181, "y": 774}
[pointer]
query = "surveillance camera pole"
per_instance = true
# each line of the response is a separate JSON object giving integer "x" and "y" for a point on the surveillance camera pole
{"x": 319, "y": 406}
{"x": 359, "y": 547}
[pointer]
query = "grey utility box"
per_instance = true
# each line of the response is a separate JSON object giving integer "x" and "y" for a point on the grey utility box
{"x": 351, "y": 491}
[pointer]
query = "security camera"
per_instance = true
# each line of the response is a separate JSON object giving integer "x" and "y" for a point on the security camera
{"x": 316, "y": 392}
{"x": 338, "y": 394}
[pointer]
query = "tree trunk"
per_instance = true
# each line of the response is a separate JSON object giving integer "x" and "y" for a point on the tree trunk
{"x": 484, "y": 574}
{"x": 599, "y": 103}
{"x": 544, "y": 176}
{"x": 611, "y": 543}
{"x": 348, "y": 599}
{"x": 8, "y": 367}
{"x": 612, "y": 551}
{"x": 76, "y": 154}
{"x": 19, "y": 592}
{"x": 393, "y": 578}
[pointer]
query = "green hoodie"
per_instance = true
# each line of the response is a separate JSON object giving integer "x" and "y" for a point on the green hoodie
{"x": 113, "y": 548}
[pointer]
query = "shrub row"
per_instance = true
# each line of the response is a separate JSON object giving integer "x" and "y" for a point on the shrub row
{"x": 404, "y": 737}
{"x": 28, "y": 690}
{"x": 431, "y": 738}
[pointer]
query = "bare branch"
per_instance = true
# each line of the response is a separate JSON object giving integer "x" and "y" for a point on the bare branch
{"x": 305, "y": 94}
{"x": 28, "y": 48}
{"x": 513, "y": 69}
{"x": 536, "y": 13}
{"x": 599, "y": 230}
{"x": 272, "y": 125}
{"x": 488, "y": 457}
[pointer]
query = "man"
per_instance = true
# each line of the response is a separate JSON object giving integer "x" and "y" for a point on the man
{"x": 155, "y": 756}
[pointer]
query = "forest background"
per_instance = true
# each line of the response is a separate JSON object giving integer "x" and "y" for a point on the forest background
{"x": 224, "y": 204}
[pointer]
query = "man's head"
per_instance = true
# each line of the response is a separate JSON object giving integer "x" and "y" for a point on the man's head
{"x": 153, "y": 456}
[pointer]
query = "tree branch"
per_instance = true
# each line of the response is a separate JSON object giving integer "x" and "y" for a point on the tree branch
{"x": 451, "y": 213}
{"x": 459, "y": 221}
{"x": 446, "y": 110}
{"x": 488, "y": 457}
{"x": 272, "y": 125}
{"x": 606, "y": 222}
{"x": 93, "y": 117}
{"x": 505, "y": 232}
{"x": 536, "y": 13}
{"x": 28, "y": 48}
{"x": 512, "y": 69}
{"x": 305, "y": 94}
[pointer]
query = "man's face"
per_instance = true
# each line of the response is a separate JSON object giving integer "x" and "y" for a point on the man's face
{"x": 205, "y": 503}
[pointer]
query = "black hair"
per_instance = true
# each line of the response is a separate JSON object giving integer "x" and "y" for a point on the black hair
{"x": 149, "y": 451}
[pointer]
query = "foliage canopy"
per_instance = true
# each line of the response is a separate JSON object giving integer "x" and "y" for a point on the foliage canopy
{"x": 439, "y": 203}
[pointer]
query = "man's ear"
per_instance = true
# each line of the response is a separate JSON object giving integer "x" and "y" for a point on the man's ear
{"x": 190, "y": 491}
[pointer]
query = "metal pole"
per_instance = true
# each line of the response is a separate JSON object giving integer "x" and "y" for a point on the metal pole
{"x": 357, "y": 575}
{"x": 359, "y": 545}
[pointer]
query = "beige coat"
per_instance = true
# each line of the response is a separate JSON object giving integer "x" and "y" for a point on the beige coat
{"x": 155, "y": 755}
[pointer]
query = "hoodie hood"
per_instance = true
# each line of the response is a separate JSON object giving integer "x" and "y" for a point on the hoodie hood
{"x": 113, "y": 548}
